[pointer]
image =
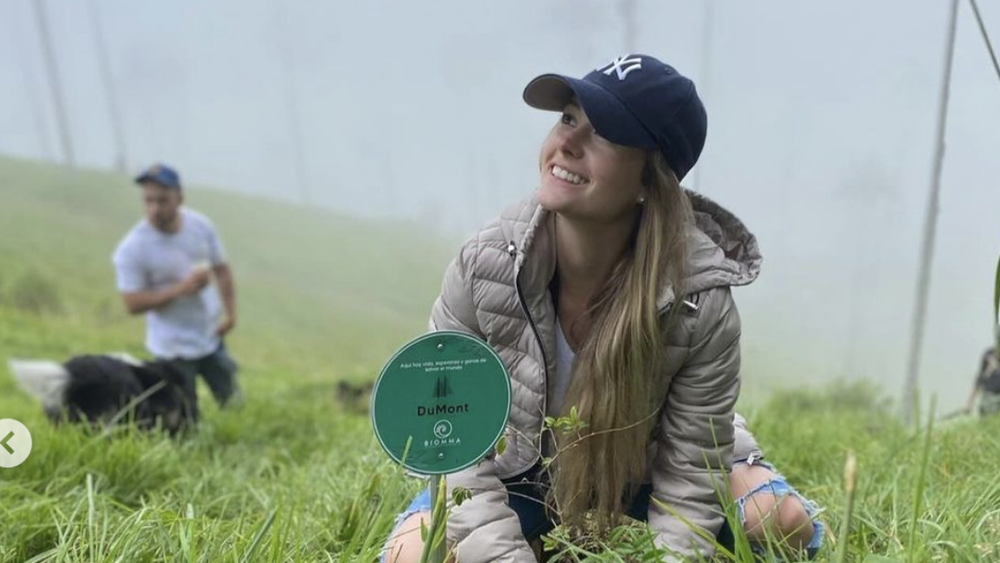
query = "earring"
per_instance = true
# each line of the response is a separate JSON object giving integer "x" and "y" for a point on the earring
{"x": 642, "y": 200}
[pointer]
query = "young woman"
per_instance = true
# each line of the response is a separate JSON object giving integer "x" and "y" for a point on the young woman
{"x": 609, "y": 290}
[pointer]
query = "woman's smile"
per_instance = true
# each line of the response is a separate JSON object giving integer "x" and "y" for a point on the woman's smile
{"x": 567, "y": 176}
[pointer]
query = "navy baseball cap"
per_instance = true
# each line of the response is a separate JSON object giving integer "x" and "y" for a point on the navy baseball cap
{"x": 636, "y": 101}
{"x": 161, "y": 174}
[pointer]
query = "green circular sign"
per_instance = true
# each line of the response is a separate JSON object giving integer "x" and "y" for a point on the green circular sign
{"x": 441, "y": 403}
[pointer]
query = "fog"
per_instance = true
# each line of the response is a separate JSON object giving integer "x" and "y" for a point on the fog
{"x": 821, "y": 136}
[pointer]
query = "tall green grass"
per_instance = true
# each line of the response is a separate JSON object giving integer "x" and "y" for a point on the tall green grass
{"x": 294, "y": 475}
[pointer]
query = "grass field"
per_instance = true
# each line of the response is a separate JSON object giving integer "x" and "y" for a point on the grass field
{"x": 295, "y": 475}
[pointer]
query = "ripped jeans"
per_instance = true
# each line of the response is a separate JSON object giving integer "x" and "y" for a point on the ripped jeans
{"x": 526, "y": 493}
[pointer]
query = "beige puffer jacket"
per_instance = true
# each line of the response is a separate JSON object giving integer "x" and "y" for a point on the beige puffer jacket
{"x": 497, "y": 289}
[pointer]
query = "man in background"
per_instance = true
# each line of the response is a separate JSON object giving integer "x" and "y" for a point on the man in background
{"x": 987, "y": 387}
{"x": 164, "y": 268}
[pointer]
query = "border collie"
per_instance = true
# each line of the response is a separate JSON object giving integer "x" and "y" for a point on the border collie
{"x": 103, "y": 390}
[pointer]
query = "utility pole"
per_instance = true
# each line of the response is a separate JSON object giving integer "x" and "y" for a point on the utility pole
{"x": 930, "y": 230}
{"x": 37, "y": 114}
{"x": 54, "y": 84}
{"x": 121, "y": 159}
{"x": 18, "y": 45}
{"x": 292, "y": 105}
{"x": 708, "y": 25}
{"x": 629, "y": 27}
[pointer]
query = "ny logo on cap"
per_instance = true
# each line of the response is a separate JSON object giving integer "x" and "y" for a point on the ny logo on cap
{"x": 618, "y": 65}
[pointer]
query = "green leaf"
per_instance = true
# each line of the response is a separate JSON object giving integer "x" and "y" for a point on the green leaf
{"x": 460, "y": 495}
{"x": 880, "y": 559}
{"x": 501, "y": 445}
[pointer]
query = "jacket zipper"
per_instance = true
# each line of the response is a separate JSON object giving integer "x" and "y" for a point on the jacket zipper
{"x": 538, "y": 337}
{"x": 545, "y": 361}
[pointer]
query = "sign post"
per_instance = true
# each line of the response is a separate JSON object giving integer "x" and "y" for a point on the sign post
{"x": 440, "y": 405}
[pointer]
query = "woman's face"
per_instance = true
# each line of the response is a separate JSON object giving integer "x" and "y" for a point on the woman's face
{"x": 585, "y": 176}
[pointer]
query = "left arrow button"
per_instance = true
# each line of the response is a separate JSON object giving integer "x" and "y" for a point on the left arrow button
{"x": 15, "y": 443}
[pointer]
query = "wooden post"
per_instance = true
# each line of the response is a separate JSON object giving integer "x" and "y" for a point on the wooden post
{"x": 121, "y": 159}
{"x": 54, "y": 85}
{"x": 930, "y": 230}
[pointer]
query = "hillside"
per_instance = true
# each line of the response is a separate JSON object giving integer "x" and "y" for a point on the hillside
{"x": 319, "y": 293}
{"x": 295, "y": 475}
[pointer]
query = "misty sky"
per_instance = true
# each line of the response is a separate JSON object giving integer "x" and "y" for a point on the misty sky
{"x": 821, "y": 133}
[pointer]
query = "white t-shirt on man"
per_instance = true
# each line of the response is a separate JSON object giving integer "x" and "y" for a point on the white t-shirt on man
{"x": 149, "y": 259}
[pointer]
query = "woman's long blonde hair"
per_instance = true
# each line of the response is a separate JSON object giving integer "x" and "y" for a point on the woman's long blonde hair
{"x": 615, "y": 373}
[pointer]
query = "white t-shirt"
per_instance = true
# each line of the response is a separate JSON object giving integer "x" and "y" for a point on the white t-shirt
{"x": 149, "y": 259}
{"x": 559, "y": 385}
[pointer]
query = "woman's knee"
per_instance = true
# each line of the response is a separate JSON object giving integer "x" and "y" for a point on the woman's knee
{"x": 793, "y": 522}
{"x": 765, "y": 515}
{"x": 405, "y": 545}
{"x": 770, "y": 518}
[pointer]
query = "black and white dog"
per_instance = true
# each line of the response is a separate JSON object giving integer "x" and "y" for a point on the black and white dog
{"x": 106, "y": 389}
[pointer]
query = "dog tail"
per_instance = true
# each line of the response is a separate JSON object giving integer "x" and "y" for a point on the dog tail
{"x": 46, "y": 380}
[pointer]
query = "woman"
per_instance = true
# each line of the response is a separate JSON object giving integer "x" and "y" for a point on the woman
{"x": 608, "y": 291}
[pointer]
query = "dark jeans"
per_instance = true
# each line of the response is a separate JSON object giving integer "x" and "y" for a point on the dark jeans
{"x": 527, "y": 491}
{"x": 218, "y": 369}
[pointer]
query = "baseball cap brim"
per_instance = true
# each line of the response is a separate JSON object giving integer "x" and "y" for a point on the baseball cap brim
{"x": 146, "y": 177}
{"x": 161, "y": 179}
{"x": 609, "y": 116}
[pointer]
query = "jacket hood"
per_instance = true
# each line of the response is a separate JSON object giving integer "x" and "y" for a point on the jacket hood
{"x": 721, "y": 250}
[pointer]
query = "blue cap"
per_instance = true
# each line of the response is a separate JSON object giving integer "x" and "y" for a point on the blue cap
{"x": 161, "y": 174}
{"x": 636, "y": 101}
